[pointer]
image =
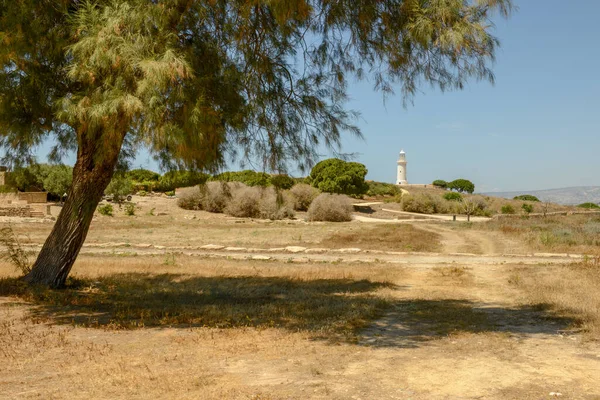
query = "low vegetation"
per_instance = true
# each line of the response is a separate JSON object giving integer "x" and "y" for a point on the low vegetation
{"x": 331, "y": 207}
{"x": 589, "y": 206}
{"x": 557, "y": 233}
{"x": 527, "y": 197}
{"x": 400, "y": 237}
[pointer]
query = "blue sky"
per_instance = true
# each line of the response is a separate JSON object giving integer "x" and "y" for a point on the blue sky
{"x": 537, "y": 128}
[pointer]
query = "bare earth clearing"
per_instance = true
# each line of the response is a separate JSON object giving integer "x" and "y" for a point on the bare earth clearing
{"x": 409, "y": 316}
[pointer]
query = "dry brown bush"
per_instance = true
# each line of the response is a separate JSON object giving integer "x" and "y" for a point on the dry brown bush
{"x": 217, "y": 195}
{"x": 303, "y": 195}
{"x": 190, "y": 198}
{"x": 244, "y": 203}
{"x": 330, "y": 207}
{"x": 275, "y": 205}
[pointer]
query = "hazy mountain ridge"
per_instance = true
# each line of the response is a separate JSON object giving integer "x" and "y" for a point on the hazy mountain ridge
{"x": 567, "y": 196}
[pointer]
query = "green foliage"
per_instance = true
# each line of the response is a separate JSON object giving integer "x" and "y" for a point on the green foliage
{"x": 453, "y": 196}
{"x": 526, "y": 197}
{"x": 119, "y": 187}
{"x": 382, "y": 189}
{"x": 527, "y": 208}
{"x": 106, "y": 210}
{"x": 54, "y": 179}
{"x": 247, "y": 177}
{"x": 180, "y": 179}
{"x": 130, "y": 209}
{"x": 141, "y": 175}
{"x": 282, "y": 181}
{"x": 589, "y": 206}
{"x": 341, "y": 177}
{"x": 440, "y": 184}
{"x": 142, "y": 193}
{"x": 170, "y": 193}
{"x": 7, "y": 189}
{"x": 58, "y": 180}
{"x": 462, "y": 185}
{"x": 507, "y": 209}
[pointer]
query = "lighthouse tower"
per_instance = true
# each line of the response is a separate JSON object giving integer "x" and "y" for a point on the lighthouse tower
{"x": 401, "y": 178}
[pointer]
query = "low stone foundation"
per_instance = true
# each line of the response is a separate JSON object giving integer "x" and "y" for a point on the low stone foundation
{"x": 18, "y": 211}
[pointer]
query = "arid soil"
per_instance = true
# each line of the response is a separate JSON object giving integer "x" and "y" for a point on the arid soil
{"x": 295, "y": 326}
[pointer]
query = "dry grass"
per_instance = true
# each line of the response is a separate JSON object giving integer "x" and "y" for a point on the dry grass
{"x": 386, "y": 237}
{"x": 568, "y": 291}
{"x": 314, "y": 300}
{"x": 567, "y": 234}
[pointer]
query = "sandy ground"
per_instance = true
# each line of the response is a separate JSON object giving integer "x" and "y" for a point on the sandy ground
{"x": 456, "y": 329}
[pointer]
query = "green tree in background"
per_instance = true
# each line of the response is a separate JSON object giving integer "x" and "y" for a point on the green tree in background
{"x": 58, "y": 180}
{"x": 194, "y": 81}
{"x": 462, "y": 186}
{"x": 338, "y": 176}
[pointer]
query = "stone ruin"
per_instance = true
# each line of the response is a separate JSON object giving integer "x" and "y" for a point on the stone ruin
{"x": 24, "y": 205}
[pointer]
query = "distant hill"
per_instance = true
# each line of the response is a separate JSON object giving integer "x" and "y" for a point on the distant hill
{"x": 566, "y": 196}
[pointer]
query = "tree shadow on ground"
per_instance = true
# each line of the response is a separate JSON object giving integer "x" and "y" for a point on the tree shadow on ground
{"x": 327, "y": 307}
{"x": 411, "y": 323}
{"x": 333, "y": 309}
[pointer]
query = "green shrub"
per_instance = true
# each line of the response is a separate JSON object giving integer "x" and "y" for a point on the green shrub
{"x": 302, "y": 196}
{"x": 119, "y": 187}
{"x": 338, "y": 176}
{"x": 282, "y": 181}
{"x": 7, "y": 189}
{"x": 440, "y": 184}
{"x": 462, "y": 185}
{"x": 526, "y": 197}
{"x": 130, "y": 209}
{"x": 170, "y": 193}
{"x": 58, "y": 180}
{"x": 507, "y": 209}
{"x": 589, "y": 206}
{"x": 453, "y": 196}
{"x": 527, "y": 208}
{"x": 106, "y": 210}
{"x": 331, "y": 207}
{"x": 179, "y": 179}
{"x": 382, "y": 189}
{"x": 247, "y": 177}
{"x": 142, "y": 193}
{"x": 141, "y": 175}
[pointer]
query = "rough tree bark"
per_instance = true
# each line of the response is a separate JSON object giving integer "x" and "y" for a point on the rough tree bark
{"x": 93, "y": 170}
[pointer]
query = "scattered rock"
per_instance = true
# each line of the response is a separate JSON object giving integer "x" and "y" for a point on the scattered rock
{"x": 235, "y": 249}
{"x": 212, "y": 247}
{"x": 275, "y": 250}
{"x": 261, "y": 258}
{"x": 349, "y": 250}
{"x": 295, "y": 249}
{"x": 317, "y": 250}
{"x": 159, "y": 247}
{"x": 142, "y": 245}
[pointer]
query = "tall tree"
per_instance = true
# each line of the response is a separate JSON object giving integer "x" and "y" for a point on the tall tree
{"x": 194, "y": 80}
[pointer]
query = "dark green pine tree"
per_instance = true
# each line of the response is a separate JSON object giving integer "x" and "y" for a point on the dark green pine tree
{"x": 194, "y": 80}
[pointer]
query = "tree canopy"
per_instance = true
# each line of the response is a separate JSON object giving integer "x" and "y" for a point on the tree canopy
{"x": 198, "y": 81}
{"x": 339, "y": 176}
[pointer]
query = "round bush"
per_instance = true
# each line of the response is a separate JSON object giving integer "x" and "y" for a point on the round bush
{"x": 303, "y": 195}
{"x": 338, "y": 176}
{"x": 507, "y": 209}
{"x": 453, "y": 196}
{"x": 440, "y": 183}
{"x": 190, "y": 198}
{"x": 331, "y": 207}
{"x": 282, "y": 181}
{"x": 527, "y": 197}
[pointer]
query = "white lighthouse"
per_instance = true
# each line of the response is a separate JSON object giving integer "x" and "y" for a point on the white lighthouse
{"x": 401, "y": 178}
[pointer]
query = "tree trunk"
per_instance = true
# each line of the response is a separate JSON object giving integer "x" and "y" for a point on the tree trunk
{"x": 91, "y": 175}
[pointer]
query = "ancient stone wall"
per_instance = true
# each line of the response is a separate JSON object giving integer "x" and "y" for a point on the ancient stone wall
{"x": 34, "y": 197}
{"x": 18, "y": 211}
